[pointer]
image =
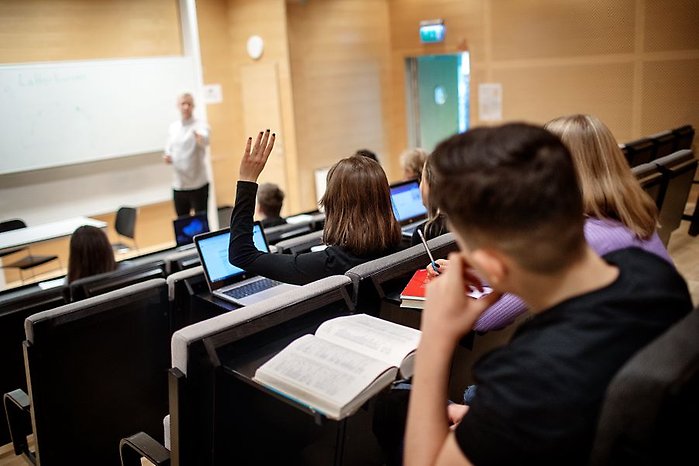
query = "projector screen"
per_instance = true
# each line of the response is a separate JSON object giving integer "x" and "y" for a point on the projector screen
{"x": 63, "y": 113}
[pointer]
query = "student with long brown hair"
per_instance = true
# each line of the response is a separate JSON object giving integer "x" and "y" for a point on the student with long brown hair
{"x": 359, "y": 225}
{"x": 90, "y": 253}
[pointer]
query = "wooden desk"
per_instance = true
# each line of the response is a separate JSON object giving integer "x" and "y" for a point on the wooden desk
{"x": 46, "y": 231}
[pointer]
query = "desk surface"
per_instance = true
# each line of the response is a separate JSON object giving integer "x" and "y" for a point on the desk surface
{"x": 47, "y": 231}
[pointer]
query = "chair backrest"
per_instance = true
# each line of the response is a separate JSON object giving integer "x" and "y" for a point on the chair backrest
{"x": 181, "y": 260}
{"x": 651, "y": 179}
{"x": 300, "y": 244}
{"x": 678, "y": 169}
{"x": 287, "y": 231}
{"x": 88, "y": 287}
{"x": 15, "y": 309}
{"x": 207, "y": 403}
{"x": 224, "y": 215}
{"x": 374, "y": 280}
{"x": 180, "y": 295}
{"x": 639, "y": 151}
{"x": 14, "y": 224}
{"x": 125, "y": 223}
{"x": 664, "y": 143}
{"x": 685, "y": 137}
{"x": 650, "y": 411}
{"x": 97, "y": 371}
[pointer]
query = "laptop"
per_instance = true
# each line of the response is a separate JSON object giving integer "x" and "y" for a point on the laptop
{"x": 407, "y": 206}
{"x": 229, "y": 282}
{"x": 186, "y": 227}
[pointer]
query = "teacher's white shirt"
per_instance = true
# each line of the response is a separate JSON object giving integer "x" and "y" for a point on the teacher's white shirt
{"x": 187, "y": 155}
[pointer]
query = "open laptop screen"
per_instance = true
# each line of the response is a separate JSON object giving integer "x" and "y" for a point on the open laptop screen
{"x": 186, "y": 227}
{"x": 213, "y": 252}
{"x": 407, "y": 201}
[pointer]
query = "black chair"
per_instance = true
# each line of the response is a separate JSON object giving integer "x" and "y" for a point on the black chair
{"x": 102, "y": 283}
{"x": 650, "y": 411}
{"x": 684, "y": 137}
{"x": 181, "y": 260}
{"x": 96, "y": 371}
{"x": 383, "y": 279}
{"x": 678, "y": 171}
{"x": 218, "y": 415}
{"x": 287, "y": 231}
{"x": 224, "y": 215}
{"x": 125, "y": 225}
{"x": 639, "y": 151}
{"x": 300, "y": 244}
{"x": 652, "y": 182}
{"x": 28, "y": 262}
{"x": 16, "y": 306}
{"x": 664, "y": 143}
{"x": 180, "y": 293}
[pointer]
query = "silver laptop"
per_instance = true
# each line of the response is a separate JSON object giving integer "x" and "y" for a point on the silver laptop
{"x": 407, "y": 206}
{"x": 229, "y": 282}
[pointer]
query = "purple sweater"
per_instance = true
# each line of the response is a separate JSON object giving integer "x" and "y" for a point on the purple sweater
{"x": 603, "y": 236}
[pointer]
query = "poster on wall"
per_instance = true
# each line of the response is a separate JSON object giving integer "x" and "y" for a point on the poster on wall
{"x": 490, "y": 102}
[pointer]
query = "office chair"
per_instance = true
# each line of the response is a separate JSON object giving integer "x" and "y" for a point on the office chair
{"x": 28, "y": 262}
{"x": 125, "y": 225}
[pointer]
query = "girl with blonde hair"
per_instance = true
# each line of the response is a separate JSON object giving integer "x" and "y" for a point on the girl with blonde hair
{"x": 619, "y": 212}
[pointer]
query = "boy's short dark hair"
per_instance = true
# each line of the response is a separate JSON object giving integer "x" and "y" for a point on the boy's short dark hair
{"x": 270, "y": 199}
{"x": 513, "y": 186}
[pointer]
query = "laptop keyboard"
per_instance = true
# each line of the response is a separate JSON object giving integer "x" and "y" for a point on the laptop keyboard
{"x": 251, "y": 288}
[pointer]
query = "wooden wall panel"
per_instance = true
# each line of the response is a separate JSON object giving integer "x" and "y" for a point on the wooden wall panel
{"x": 266, "y": 18}
{"x": 670, "y": 95}
{"x": 215, "y": 44}
{"x": 339, "y": 60}
{"x": 551, "y": 28}
{"x": 538, "y": 94}
{"x": 632, "y": 62}
{"x": 45, "y": 30}
{"x": 671, "y": 25}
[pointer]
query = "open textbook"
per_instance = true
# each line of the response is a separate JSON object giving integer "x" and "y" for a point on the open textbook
{"x": 346, "y": 362}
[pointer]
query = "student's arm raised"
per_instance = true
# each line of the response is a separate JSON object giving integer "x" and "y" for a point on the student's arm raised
{"x": 255, "y": 157}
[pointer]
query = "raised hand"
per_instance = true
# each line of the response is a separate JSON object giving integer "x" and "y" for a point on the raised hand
{"x": 255, "y": 156}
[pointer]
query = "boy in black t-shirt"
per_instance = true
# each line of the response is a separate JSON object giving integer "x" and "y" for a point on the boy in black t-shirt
{"x": 513, "y": 201}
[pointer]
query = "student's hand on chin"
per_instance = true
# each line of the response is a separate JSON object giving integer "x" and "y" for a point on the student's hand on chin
{"x": 449, "y": 313}
{"x": 255, "y": 156}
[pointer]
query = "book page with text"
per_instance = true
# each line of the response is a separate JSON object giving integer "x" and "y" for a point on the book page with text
{"x": 320, "y": 373}
{"x": 375, "y": 337}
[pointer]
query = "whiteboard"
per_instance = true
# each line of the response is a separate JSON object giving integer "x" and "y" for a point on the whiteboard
{"x": 62, "y": 113}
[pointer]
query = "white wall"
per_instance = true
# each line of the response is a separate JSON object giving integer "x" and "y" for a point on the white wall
{"x": 84, "y": 189}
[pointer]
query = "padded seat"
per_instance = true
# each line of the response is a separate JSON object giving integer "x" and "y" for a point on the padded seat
{"x": 649, "y": 415}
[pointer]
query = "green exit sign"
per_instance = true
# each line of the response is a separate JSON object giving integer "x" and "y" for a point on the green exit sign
{"x": 432, "y": 31}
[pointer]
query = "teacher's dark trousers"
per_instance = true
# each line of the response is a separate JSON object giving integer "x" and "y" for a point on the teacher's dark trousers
{"x": 191, "y": 200}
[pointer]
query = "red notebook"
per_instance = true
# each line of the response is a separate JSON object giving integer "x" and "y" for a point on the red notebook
{"x": 413, "y": 295}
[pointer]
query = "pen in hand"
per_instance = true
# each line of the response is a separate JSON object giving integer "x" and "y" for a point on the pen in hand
{"x": 435, "y": 265}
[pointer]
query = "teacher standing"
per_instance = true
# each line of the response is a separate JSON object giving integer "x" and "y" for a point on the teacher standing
{"x": 185, "y": 151}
